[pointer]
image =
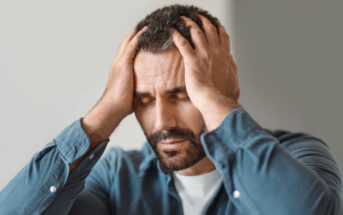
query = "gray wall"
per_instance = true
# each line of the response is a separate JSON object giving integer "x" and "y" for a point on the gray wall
{"x": 289, "y": 56}
{"x": 55, "y": 57}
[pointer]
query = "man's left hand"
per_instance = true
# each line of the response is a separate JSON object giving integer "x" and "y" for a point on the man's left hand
{"x": 210, "y": 73}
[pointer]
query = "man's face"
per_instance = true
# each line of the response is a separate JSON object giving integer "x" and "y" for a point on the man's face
{"x": 171, "y": 123}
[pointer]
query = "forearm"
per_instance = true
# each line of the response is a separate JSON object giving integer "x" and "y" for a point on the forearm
{"x": 268, "y": 179}
{"x": 44, "y": 179}
{"x": 102, "y": 120}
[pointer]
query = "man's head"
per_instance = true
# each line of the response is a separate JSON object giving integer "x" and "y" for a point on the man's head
{"x": 169, "y": 120}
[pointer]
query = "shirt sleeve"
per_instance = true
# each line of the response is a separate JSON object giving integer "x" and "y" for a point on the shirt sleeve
{"x": 262, "y": 177}
{"x": 45, "y": 183}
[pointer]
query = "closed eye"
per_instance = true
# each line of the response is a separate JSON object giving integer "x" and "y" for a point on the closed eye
{"x": 143, "y": 101}
{"x": 183, "y": 96}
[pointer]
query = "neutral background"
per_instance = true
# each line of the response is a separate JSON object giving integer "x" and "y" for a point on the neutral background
{"x": 55, "y": 58}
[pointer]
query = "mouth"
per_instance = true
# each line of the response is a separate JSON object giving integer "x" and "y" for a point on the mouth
{"x": 172, "y": 144}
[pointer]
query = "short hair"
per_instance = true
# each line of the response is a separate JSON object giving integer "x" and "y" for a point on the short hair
{"x": 158, "y": 36}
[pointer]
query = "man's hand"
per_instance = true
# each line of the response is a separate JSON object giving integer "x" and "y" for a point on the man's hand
{"x": 210, "y": 73}
{"x": 117, "y": 101}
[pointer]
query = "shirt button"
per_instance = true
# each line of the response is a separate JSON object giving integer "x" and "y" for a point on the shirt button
{"x": 52, "y": 189}
{"x": 91, "y": 156}
{"x": 236, "y": 194}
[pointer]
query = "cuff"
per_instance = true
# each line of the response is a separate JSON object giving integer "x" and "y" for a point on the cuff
{"x": 73, "y": 142}
{"x": 221, "y": 143}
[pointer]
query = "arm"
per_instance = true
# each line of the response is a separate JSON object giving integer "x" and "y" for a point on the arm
{"x": 50, "y": 183}
{"x": 41, "y": 181}
{"x": 305, "y": 179}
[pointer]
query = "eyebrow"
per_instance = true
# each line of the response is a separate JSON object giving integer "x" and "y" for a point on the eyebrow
{"x": 141, "y": 94}
{"x": 174, "y": 90}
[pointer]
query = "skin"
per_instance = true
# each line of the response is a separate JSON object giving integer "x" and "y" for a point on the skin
{"x": 207, "y": 73}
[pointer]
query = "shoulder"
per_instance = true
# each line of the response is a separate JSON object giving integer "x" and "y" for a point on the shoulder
{"x": 298, "y": 143}
{"x": 287, "y": 137}
{"x": 313, "y": 153}
{"x": 301, "y": 145}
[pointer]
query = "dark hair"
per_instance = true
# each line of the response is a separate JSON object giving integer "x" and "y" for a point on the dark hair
{"x": 158, "y": 35}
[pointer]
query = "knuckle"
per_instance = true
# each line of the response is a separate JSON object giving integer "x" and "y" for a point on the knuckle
{"x": 223, "y": 33}
{"x": 198, "y": 32}
{"x": 207, "y": 56}
{"x": 131, "y": 46}
{"x": 127, "y": 36}
{"x": 184, "y": 43}
{"x": 226, "y": 36}
{"x": 211, "y": 27}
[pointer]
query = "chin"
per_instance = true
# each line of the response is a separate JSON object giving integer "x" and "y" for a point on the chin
{"x": 175, "y": 160}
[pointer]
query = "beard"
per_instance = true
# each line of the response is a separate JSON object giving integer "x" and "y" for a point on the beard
{"x": 189, "y": 154}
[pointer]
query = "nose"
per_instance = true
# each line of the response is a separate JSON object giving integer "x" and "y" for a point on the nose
{"x": 164, "y": 115}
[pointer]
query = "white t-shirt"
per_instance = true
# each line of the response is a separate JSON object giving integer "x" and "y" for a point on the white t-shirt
{"x": 197, "y": 191}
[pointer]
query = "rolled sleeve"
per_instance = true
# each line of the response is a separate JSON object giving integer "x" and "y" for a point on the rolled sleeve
{"x": 73, "y": 142}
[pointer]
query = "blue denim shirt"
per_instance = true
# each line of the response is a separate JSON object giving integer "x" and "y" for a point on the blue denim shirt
{"x": 264, "y": 172}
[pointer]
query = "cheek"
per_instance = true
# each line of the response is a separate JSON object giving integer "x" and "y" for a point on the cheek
{"x": 144, "y": 118}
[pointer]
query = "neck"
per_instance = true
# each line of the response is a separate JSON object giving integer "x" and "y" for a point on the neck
{"x": 201, "y": 167}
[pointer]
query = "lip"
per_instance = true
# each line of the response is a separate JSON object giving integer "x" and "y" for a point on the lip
{"x": 172, "y": 144}
{"x": 172, "y": 141}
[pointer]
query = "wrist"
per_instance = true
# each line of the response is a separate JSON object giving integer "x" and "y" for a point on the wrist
{"x": 101, "y": 121}
{"x": 216, "y": 111}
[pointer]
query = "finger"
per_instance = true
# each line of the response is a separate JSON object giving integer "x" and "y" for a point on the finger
{"x": 211, "y": 31}
{"x": 126, "y": 40}
{"x": 198, "y": 37}
{"x": 130, "y": 35}
{"x": 224, "y": 38}
{"x": 182, "y": 45}
{"x": 130, "y": 49}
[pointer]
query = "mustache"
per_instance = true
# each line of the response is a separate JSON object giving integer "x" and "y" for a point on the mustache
{"x": 172, "y": 132}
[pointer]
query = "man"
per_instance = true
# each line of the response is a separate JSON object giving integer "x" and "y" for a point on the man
{"x": 205, "y": 155}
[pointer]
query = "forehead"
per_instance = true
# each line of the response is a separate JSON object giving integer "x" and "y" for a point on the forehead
{"x": 158, "y": 72}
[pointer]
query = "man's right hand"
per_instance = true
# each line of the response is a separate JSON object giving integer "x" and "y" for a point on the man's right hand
{"x": 116, "y": 102}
